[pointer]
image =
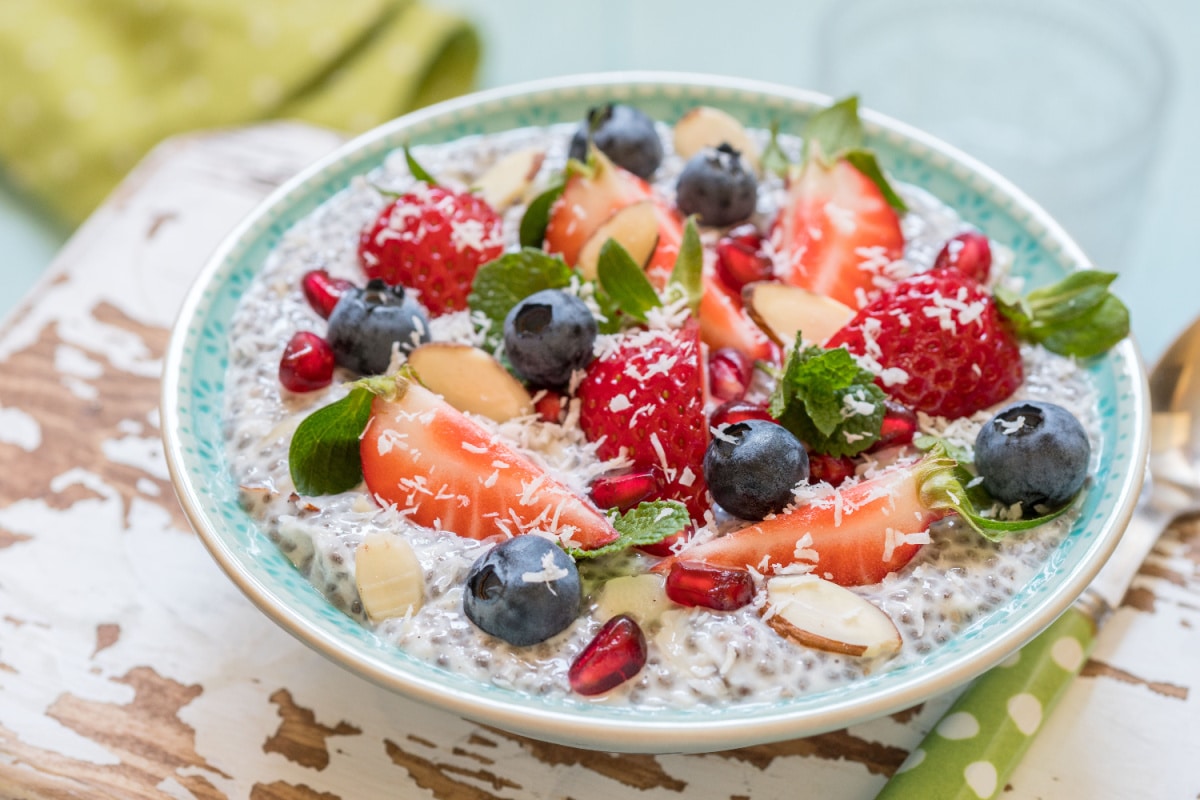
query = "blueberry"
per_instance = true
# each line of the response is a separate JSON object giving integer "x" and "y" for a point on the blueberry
{"x": 524, "y": 590}
{"x": 366, "y": 322}
{"x": 1032, "y": 453}
{"x": 753, "y": 466}
{"x": 716, "y": 185}
{"x": 549, "y": 335}
{"x": 624, "y": 134}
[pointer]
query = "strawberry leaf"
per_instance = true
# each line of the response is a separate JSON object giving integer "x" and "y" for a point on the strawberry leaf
{"x": 864, "y": 161}
{"x": 828, "y": 401}
{"x": 773, "y": 159}
{"x": 1077, "y": 316}
{"x": 645, "y": 524}
{"x": 537, "y": 216}
{"x": 833, "y": 131}
{"x": 501, "y": 284}
{"x": 624, "y": 281}
{"x": 418, "y": 172}
{"x": 323, "y": 456}
{"x": 686, "y": 276}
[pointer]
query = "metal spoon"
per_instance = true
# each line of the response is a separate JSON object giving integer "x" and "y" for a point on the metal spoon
{"x": 978, "y": 743}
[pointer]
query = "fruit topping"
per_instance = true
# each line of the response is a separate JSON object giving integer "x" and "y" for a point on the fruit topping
{"x": 642, "y": 596}
{"x": 706, "y": 127}
{"x": 524, "y": 590}
{"x": 729, "y": 373}
{"x": 389, "y": 577}
{"x": 549, "y": 335}
{"x": 445, "y": 471}
{"x": 1033, "y": 453}
{"x": 645, "y": 396}
{"x": 634, "y": 227}
{"x": 834, "y": 470}
{"x": 307, "y": 363}
{"x": 969, "y": 252}
{"x": 624, "y": 134}
{"x": 322, "y": 291}
{"x": 738, "y": 411}
{"x": 783, "y": 310}
{"x": 550, "y": 405}
{"x": 367, "y": 323}
{"x": 820, "y": 614}
{"x": 937, "y": 344}
{"x": 899, "y": 426}
{"x": 724, "y": 322}
{"x": 752, "y": 467}
{"x": 717, "y": 186}
{"x": 616, "y": 654}
{"x": 507, "y": 181}
{"x": 718, "y": 588}
{"x": 741, "y": 258}
{"x": 471, "y": 380}
{"x": 432, "y": 240}
{"x": 625, "y": 491}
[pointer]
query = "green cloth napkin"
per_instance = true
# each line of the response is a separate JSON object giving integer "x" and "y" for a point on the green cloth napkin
{"x": 88, "y": 86}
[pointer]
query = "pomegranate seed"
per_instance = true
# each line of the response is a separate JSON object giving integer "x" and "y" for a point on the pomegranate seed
{"x": 307, "y": 363}
{"x": 969, "y": 252}
{"x": 728, "y": 373}
{"x": 667, "y": 546}
{"x": 323, "y": 291}
{"x": 691, "y": 583}
{"x": 740, "y": 258}
{"x": 623, "y": 492}
{"x": 550, "y": 406}
{"x": 831, "y": 469}
{"x": 899, "y": 426}
{"x": 738, "y": 411}
{"x": 616, "y": 654}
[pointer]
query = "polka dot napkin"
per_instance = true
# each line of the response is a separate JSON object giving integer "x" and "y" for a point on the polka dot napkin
{"x": 90, "y": 85}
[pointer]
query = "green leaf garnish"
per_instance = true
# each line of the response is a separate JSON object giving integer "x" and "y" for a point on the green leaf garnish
{"x": 624, "y": 281}
{"x": 947, "y": 484}
{"x": 864, "y": 161}
{"x": 417, "y": 170}
{"x": 686, "y": 276}
{"x": 828, "y": 401}
{"x": 323, "y": 457}
{"x": 773, "y": 159}
{"x": 537, "y": 216}
{"x": 1077, "y": 316}
{"x": 647, "y": 523}
{"x": 501, "y": 284}
{"x": 837, "y": 133}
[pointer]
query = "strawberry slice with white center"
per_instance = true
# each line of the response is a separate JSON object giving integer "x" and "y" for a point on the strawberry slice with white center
{"x": 839, "y": 225}
{"x": 445, "y": 471}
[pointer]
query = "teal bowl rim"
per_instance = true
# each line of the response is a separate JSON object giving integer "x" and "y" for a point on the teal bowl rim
{"x": 615, "y": 729}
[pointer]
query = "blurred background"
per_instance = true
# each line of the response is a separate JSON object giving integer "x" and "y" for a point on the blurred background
{"x": 1120, "y": 103}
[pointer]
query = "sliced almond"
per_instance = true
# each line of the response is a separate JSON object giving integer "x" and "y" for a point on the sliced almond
{"x": 507, "y": 181}
{"x": 389, "y": 577}
{"x": 782, "y": 310}
{"x": 643, "y": 597}
{"x": 635, "y": 227}
{"x": 470, "y": 380}
{"x": 823, "y": 615}
{"x": 705, "y": 126}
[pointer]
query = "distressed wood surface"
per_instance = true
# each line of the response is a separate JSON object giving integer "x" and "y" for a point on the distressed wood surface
{"x": 130, "y": 667}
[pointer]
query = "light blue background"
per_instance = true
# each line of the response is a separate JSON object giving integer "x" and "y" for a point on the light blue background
{"x": 772, "y": 40}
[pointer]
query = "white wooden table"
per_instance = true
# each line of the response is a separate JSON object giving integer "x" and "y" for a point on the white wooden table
{"x": 130, "y": 667}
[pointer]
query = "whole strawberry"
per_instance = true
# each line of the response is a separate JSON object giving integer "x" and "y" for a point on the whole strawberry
{"x": 937, "y": 343}
{"x": 647, "y": 396}
{"x": 432, "y": 240}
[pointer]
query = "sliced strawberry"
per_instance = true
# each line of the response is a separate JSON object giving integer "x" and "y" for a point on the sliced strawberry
{"x": 445, "y": 471}
{"x": 646, "y": 397}
{"x": 854, "y": 536}
{"x": 836, "y": 231}
{"x": 724, "y": 322}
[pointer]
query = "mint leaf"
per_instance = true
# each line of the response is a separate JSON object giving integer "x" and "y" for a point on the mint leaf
{"x": 537, "y": 216}
{"x": 501, "y": 284}
{"x": 944, "y": 483}
{"x": 647, "y": 523}
{"x": 417, "y": 170}
{"x": 864, "y": 161}
{"x": 1077, "y": 316}
{"x": 624, "y": 281}
{"x": 323, "y": 457}
{"x": 687, "y": 274}
{"x": 833, "y": 131}
{"x": 828, "y": 401}
{"x": 773, "y": 159}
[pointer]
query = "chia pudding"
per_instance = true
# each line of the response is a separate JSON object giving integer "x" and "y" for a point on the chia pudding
{"x": 696, "y": 656}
